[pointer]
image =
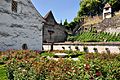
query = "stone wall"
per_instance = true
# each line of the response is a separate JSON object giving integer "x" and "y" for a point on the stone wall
{"x": 59, "y": 34}
{"x": 111, "y": 25}
{"x": 21, "y": 27}
{"x": 53, "y": 31}
{"x": 100, "y": 47}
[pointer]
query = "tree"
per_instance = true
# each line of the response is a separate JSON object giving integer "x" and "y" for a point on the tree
{"x": 66, "y": 24}
{"x": 89, "y": 7}
{"x": 95, "y": 7}
{"x": 70, "y": 25}
{"x": 60, "y": 22}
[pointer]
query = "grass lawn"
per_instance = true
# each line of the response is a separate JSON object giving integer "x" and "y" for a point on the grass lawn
{"x": 2, "y": 73}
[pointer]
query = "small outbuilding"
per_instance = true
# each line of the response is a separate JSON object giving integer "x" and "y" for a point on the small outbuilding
{"x": 52, "y": 31}
{"x": 107, "y": 11}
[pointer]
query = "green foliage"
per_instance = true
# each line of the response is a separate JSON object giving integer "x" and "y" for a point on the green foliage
{"x": 45, "y": 54}
{"x": 31, "y": 66}
{"x": 66, "y": 24}
{"x": 94, "y": 7}
{"x": 71, "y": 38}
{"x": 89, "y": 7}
{"x": 106, "y": 64}
{"x": 70, "y": 26}
{"x": 91, "y": 36}
{"x": 3, "y": 75}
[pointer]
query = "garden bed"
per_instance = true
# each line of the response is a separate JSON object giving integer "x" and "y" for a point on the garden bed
{"x": 3, "y": 75}
{"x": 32, "y": 65}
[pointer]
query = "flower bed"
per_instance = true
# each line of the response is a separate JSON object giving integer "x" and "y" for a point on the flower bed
{"x": 31, "y": 65}
{"x": 3, "y": 73}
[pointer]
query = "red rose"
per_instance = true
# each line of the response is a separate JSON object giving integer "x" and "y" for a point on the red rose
{"x": 98, "y": 73}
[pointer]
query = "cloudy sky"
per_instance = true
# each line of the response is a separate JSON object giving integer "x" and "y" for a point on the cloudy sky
{"x": 62, "y": 9}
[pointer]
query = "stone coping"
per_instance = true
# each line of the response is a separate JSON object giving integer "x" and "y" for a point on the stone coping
{"x": 85, "y": 43}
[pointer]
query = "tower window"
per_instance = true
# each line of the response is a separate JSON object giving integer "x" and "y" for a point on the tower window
{"x": 14, "y": 6}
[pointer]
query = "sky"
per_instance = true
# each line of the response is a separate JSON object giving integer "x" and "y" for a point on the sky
{"x": 62, "y": 9}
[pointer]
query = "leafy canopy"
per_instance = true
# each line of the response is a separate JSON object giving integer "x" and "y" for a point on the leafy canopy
{"x": 94, "y": 7}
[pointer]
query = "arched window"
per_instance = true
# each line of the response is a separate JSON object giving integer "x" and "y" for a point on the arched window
{"x": 14, "y": 6}
{"x": 24, "y": 47}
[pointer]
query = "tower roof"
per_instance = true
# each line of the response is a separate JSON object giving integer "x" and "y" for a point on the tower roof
{"x": 107, "y": 5}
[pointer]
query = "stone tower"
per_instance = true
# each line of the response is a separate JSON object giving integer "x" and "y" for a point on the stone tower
{"x": 107, "y": 11}
{"x": 20, "y": 24}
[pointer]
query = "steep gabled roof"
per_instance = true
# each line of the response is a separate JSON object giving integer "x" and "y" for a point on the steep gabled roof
{"x": 107, "y": 5}
{"x": 50, "y": 18}
{"x": 39, "y": 15}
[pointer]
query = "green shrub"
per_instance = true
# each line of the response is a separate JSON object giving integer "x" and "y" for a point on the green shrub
{"x": 29, "y": 65}
{"x": 45, "y": 54}
{"x": 3, "y": 75}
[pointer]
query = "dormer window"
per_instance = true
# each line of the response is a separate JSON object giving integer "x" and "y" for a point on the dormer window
{"x": 14, "y": 6}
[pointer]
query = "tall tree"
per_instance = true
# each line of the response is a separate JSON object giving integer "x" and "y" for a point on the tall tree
{"x": 94, "y": 7}
{"x": 65, "y": 22}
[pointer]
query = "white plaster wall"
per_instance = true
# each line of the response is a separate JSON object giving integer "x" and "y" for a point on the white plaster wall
{"x": 25, "y": 26}
{"x": 108, "y": 16}
{"x": 107, "y": 11}
{"x": 101, "y": 47}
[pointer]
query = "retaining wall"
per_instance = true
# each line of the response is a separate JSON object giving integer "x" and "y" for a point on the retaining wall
{"x": 100, "y": 47}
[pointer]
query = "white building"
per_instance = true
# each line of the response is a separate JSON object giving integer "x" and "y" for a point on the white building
{"x": 107, "y": 11}
{"x": 20, "y": 23}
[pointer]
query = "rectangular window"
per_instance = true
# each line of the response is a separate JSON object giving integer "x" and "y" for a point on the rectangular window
{"x": 14, "y": 6}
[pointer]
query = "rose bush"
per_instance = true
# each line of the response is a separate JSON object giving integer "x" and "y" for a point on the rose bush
{"x": 31, "y": 65}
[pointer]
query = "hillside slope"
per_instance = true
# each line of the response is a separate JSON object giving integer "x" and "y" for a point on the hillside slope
{"x": 111, "y": 25}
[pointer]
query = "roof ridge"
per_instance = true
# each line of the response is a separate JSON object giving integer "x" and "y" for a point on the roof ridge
{"x": 50, "y": 14}
{"x": 107, "y": 5}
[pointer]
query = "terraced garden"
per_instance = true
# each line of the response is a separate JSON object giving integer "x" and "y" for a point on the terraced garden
{"x": 91, "y": 36}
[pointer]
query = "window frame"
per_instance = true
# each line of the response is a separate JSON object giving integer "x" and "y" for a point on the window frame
{"x": 14, "y": 6}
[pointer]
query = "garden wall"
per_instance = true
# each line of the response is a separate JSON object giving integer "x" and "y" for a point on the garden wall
{"x": 101, "y": 47}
